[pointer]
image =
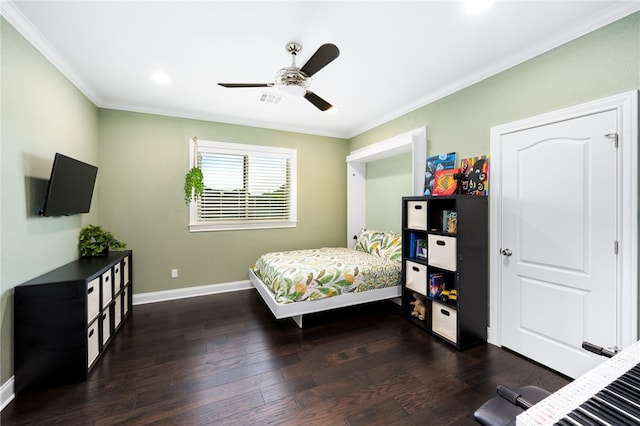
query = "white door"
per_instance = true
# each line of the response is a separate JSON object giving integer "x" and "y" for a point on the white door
{"x": 558, "y": 241}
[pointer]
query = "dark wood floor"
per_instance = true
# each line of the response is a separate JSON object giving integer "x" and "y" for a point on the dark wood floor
{"x": 223, "y": 359}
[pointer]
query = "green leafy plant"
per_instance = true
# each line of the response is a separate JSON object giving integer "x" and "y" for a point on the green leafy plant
{"x": 193, "y": 185}
{"x": 95, "y": 241}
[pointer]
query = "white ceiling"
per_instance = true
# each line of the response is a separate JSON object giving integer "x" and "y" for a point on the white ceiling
{"x": 394, "y": 56}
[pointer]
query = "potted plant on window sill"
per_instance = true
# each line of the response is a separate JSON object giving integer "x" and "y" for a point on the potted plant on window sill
{"x": 193, "y": 185}
{"x": 95, "y": 241}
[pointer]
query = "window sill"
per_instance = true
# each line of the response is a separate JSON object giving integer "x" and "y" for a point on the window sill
{"x": 239, "y": 226}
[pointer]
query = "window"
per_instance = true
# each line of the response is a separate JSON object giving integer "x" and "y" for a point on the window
{"x": 245, "y": 187}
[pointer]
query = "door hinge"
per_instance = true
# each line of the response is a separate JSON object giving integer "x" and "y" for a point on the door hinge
{"x": 614, "y": 137}
{"x": 615, "y": 247}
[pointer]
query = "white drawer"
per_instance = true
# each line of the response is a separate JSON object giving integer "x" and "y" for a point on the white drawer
{"x": 125, "y": 270}
{"x": 443, "y": 321}
{"x": 416, "y": 277}
{"x": 125, "y": 302}
{"x": 117, "y": 311}
{"x": 107, "y": 288}
{"x": 442, "y": 252}
{"x": 417, "y": 215}
{"x": 117, "y": 282}
{"x": 93, "y": 346}
{"x": 93, "y": 299}
{"x": 106, "y": 326}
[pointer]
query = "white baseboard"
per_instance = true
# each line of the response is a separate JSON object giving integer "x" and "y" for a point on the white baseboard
{"x": 182, "y": 293}
{"x": 7, "y": 393}
{"x": 492, "y": 336}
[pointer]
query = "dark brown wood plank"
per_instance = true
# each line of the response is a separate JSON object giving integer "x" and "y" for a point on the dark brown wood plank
{"x": 223, "y": 359}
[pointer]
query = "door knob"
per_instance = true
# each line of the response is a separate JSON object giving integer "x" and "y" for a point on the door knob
{"x": 506, "y": 252}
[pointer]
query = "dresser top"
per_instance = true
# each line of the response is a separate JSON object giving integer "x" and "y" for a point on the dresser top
{"x": 79, "y": 270}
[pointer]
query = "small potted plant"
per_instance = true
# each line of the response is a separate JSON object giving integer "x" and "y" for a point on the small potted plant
{"x": 95, "y": 241}
{"x": 193, "y": 185}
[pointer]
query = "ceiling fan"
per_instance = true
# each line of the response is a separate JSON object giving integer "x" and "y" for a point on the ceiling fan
{"x": 296, "y": 80}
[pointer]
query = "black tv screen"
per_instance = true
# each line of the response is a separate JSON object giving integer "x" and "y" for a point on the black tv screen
{"x": 70, "y": 187}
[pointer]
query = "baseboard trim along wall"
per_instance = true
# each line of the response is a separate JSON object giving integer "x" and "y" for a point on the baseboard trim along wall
{"x": 182, "y": 293}
{"x": 7, "y": 393}
{"x": 7, "y": 390}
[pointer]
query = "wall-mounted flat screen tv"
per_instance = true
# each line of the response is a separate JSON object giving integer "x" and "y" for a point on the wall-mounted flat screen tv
{"x": 70, "y": 187}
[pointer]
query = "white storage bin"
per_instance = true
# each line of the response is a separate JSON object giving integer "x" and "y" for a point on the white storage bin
{"x": 125, "y": 270}
{"x": 93, "y": 299}
{"x": 442, "y": 252}
{"x": 107, "y": 288}
{"x": 416, "y": 277}
{"x": 117, "y": 278}
{"x": 93, "y": 346}
{"x": 117, "y": 314}
{"x": 125, "y": 295}
{"x": 443, "y": 321}
{"x": 417, "y": 215}
{"x": 106, "y": 326}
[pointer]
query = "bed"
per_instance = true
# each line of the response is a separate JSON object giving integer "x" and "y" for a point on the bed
{"x": 297, "y": 282}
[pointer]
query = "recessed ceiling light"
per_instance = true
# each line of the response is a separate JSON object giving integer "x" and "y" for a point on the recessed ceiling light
{"x": 477, "y": 6}
{"x": 160, "y": 77}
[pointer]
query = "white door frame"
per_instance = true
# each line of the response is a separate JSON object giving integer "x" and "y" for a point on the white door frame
{"x": 627, "y": 230}
{"x": 413, "y": 141}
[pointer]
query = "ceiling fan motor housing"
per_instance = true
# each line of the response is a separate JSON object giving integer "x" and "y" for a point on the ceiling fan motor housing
{"x": 290, "y": 79}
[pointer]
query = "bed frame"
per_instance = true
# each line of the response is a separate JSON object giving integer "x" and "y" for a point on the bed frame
{"x": 295, "y": 310}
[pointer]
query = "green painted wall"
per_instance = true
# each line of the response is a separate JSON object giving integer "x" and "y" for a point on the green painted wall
{"x": 42, "y": 113}
{"x": 388, "y": 181}
{"x": 145, "y": 158}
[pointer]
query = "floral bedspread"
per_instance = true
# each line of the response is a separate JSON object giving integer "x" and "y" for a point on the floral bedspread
{"x": 313, "y": 274}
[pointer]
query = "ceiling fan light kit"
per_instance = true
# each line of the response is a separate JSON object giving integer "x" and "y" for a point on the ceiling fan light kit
{"x": 292, "y": 89}
{"x": 296, "y": 81}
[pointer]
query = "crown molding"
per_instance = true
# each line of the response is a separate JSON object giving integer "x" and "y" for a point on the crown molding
{"x": 13, "y": 15}
{"x": 616, "y": 12}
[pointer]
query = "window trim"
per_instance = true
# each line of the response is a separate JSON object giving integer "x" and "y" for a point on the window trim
{"x": 196, "y": 145}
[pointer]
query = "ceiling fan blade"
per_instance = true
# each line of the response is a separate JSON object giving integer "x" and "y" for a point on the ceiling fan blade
{"x": 323, "y": 56}
{"x": 320, "y": 103}
{"x": 236, "y": 85}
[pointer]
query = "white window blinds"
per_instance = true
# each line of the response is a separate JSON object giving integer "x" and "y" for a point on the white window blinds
{"x": 246, "y": 186}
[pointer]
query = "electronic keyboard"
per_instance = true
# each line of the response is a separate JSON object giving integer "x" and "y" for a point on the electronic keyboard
{"x": 606, "y": 395}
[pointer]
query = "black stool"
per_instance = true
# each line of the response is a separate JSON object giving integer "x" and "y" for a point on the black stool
{"x": 501, "y": 410}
